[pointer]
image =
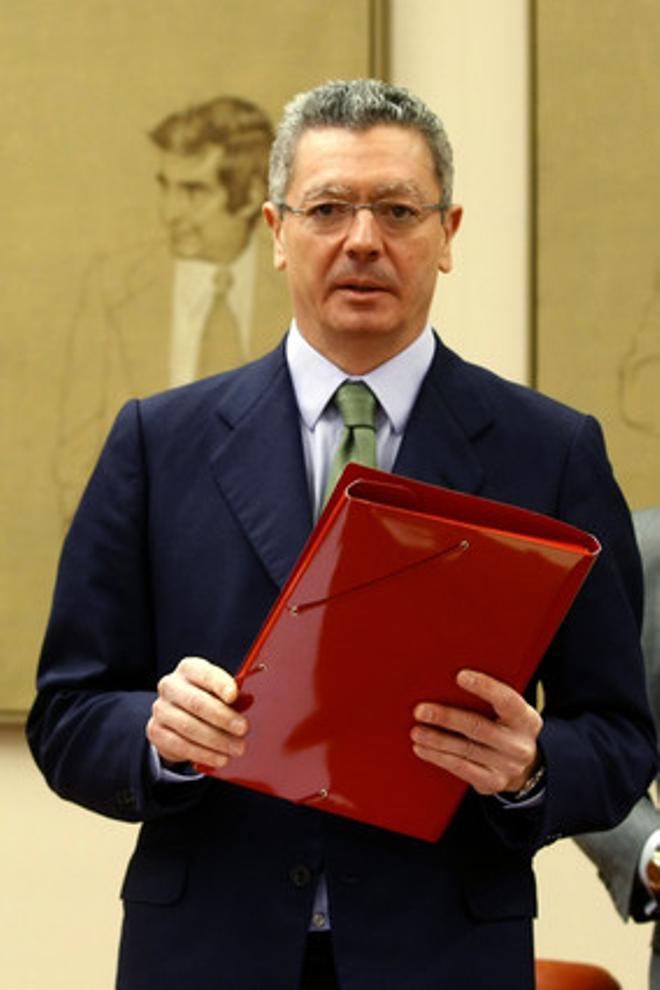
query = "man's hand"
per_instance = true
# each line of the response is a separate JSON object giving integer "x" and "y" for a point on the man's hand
{"x": 492, "y": 754}
{"x": 192, "y": 718}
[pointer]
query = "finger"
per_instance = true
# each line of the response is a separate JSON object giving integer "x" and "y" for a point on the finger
{"x": 189, "y": 727}
{"x": 485, "y": 780}
{"x": 179, "y": 736}
{"x": 177, "y": 749}
{"x": 209, "y": 677}
{"x": 189, "y": 688}
{"x": 506, "y": 761}
{"x": 200, "y": 706}
{"x": 461, "y": 721}
{"x": 460, "y": 731}
{"x": 507, "y": 703}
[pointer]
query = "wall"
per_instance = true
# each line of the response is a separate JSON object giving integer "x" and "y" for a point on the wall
{"x": 598, "y": 258}
{"x": 451, "y": 54}
{"x": 62, "y": 867}
{"x": 61, "y": 874}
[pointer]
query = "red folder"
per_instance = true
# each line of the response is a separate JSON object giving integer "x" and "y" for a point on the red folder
{"x": 400, "y": 585}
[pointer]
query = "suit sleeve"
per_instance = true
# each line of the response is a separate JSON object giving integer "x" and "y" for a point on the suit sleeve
{"x": 616, "y": 854}
{"x": 97, "y": 673}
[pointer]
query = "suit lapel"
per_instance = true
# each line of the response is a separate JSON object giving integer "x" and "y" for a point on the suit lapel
{"x": 258, "y": 463}
{"x": 449, "y": 415}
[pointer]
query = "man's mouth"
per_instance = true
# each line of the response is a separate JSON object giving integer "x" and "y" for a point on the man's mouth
{"x": 363, "y": 288}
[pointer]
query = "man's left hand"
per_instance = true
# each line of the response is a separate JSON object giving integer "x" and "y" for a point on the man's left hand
{"x": 493, "y": 754}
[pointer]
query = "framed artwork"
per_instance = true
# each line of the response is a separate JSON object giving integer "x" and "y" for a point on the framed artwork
{"x": 597, "y": 305}
{"x": 135, "y": 145}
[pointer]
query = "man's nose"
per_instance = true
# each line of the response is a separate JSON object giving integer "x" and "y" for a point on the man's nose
{"x": 173, "y": 204}
{"x": 364, "y": 235}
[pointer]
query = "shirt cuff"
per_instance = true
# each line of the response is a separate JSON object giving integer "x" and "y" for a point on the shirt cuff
{"x": 530, "y": 802}
{"x": 650, "y": 846}
{"x": 175, "y": 773}
{"x": 530, "y": 794}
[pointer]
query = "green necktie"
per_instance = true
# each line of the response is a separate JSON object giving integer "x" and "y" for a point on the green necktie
{"x": 357, "y": 405}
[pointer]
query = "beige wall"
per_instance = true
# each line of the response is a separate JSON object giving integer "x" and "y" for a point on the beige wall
{"x": 61, "y": 866}
{"x": 451, "y": 53}
{"x": 61, "y": 873}
{"x": 598, "y": 258}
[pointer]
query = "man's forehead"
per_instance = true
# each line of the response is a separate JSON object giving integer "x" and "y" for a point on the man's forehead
{"x": 390, "y": 158}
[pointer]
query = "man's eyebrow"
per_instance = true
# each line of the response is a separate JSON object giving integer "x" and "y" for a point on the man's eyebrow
{"x": 385, "y": 190}
{"x": 190, "y": 185}
{"x": 331, "y": 191}
{"x": 389, "y": 190}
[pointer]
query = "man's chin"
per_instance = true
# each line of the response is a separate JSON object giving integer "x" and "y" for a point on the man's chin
{"x": 186, "y": 248}
{"x": 374, "y": 311}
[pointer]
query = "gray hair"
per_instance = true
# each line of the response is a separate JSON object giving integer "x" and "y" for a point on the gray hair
{"x": 358, "y": 105}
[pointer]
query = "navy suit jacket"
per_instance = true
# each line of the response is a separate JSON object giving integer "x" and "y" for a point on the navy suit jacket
{"x": 190, "y": 525}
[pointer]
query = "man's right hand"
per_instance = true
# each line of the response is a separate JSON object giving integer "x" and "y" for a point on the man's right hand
{"x": 192, "y": 718}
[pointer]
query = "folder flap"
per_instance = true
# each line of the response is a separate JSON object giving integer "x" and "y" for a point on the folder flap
{"x": 376, "y": 486}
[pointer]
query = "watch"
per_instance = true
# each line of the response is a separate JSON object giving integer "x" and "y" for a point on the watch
{"x": 530, "y": 784}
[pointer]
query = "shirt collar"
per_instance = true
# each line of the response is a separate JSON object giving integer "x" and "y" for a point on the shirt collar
{"x": 195, "y": 277}
{"x": 395, "y": 383}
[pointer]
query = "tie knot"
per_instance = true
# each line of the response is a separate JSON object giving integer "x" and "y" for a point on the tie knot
{"x": 222, "y": 281}
{"x": 357, "y": 404}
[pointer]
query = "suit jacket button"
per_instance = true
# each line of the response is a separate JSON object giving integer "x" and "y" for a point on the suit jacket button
{"x": 300, "y": 875}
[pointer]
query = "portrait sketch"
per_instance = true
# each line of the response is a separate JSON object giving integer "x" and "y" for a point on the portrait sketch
{"x": 197, "y": 298}
{"x": 136, "y": 139}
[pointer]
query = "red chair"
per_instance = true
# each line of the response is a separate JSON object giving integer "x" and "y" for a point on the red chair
{"x": 551, "y": 974}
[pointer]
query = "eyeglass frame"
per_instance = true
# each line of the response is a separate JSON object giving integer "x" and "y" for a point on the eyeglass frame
{"x": 351, "y": 209}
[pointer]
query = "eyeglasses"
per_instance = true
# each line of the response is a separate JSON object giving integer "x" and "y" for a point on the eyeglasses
{"x": 335, "y": 216}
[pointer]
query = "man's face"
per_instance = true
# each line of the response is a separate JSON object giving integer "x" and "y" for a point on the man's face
{"x": 362, "y": 294}
{"x": 193, "y": 207}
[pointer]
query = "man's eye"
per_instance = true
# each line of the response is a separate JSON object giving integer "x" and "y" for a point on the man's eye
{"x": 195, "y": 190}
{"x": 327, "y": 210}
{"x": 399, "y": 211}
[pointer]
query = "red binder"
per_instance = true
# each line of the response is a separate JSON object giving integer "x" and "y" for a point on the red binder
{"x": 400, "y": 585}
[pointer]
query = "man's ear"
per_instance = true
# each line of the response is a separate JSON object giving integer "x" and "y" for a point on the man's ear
{"x": 450, "y": 224}
{"x": 274, "y": 220}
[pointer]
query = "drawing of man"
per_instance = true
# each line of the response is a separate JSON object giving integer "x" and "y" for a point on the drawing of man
{"x": 168, "y": 311}
{"x": 639, "y": 375}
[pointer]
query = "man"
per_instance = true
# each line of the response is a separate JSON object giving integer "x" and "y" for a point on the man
{"x": 628, "y": 856}
{"x": 191, "y": 523}
{"x": 166, "y": 312}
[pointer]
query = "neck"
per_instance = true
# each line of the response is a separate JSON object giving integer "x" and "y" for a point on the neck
{"x": 358, "y": 354}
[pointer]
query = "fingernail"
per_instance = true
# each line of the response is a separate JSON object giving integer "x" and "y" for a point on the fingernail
{"x": 237, "y": 726}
